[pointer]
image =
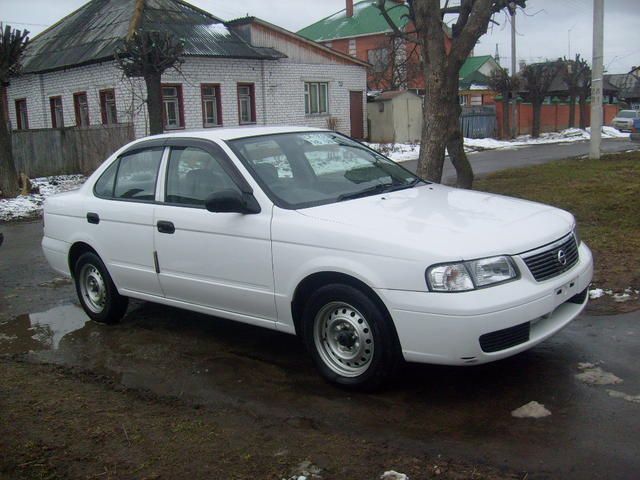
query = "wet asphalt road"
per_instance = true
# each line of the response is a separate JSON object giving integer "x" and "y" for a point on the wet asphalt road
{"x": 463, "y": 413}
{"x": 490, "y": 161}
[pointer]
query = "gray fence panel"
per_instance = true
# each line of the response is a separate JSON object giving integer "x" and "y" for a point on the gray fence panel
{"x": 60, "y": 151}
{"x": 478, "y": 122}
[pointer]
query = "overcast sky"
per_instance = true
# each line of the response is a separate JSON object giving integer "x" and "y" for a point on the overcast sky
{"x": 543, "y": 28}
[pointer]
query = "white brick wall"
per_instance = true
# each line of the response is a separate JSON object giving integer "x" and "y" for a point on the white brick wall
{"x": 279, "y": 91}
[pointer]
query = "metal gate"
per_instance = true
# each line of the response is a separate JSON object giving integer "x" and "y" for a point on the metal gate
{"x": 479, "y": 121}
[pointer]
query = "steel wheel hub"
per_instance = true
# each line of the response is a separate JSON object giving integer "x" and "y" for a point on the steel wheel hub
{"x": 343, "y": 339}
{"x": 92, "y": 288}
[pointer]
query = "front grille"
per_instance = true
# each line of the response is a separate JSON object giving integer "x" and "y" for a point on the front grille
{"x": 506, "y": 338}
{"x": 547, "y": 262}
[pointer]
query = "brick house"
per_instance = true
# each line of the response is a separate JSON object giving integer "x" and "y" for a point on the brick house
{"x": 361, "y": 31}
{"x": 246, "y": 71}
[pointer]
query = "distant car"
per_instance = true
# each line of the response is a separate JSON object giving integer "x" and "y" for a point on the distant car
{"x": 309, "y": 232}
{"x": 624, "y": 120}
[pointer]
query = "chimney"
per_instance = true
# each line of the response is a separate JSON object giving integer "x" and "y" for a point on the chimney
{"x": 349, "y": 8}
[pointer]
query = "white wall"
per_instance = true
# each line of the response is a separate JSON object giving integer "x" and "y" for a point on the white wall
{"x": 279, "y": 97}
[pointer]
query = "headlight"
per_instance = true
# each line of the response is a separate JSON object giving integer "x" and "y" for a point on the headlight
{"x": 465, "y": 276}
{"x": 576, "y": 234}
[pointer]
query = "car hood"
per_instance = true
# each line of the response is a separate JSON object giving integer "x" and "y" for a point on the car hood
{"x": 447, "y": 222}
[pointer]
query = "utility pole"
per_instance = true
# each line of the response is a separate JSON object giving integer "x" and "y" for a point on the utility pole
{"x": 514, "y": 93}
{"x": 596, "y": 79}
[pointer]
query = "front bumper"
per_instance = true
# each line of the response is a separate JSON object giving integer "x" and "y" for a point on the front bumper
{"x": 445, "y": 328}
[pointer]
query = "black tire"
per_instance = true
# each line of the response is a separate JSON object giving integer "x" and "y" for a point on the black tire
{"x": 386, "y": 355}
{"x": 113, "y": 305}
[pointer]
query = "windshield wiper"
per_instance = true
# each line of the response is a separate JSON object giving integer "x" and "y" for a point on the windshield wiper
{"x": 374, "y": 189}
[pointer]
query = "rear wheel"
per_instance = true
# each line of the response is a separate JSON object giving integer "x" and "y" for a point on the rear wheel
{"x": 96, "y": 291}
{"x": 352, "y": 341}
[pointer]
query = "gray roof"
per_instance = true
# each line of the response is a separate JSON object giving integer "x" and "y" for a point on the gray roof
{"x": 93, "y": 32}
{"x": 628, "y": 84}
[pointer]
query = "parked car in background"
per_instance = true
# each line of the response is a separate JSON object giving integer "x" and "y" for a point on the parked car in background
{"x": 624, "y": 120}
{"x": 311, "y": 233}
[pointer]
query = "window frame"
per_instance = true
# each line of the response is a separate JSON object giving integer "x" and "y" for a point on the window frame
{"x": 179, "y": 99}
{"x": 218, "y": 104}
{"x": 52, "y": 108}
{"x": 308, "y": 85}
{"x": 104, "y": 110}
{"x": 78, "y": 109}
{"x": 19, "y": 102}
{"x": 252, "y": 102}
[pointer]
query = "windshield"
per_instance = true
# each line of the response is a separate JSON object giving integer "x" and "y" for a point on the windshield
{"x": 627, "y": 114}
{"x": 305, "y": 169}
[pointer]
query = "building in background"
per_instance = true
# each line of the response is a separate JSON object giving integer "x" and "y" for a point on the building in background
{"x": 241, "y": 72}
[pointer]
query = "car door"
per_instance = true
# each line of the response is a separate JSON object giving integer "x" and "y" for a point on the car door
{"x": 120, "y": 217}
{"x": 216, "y": 260}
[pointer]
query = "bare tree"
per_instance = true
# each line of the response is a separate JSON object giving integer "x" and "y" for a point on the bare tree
{"x": 583, "y": 85}
{"x": 395, "y": 64}
{"x": 500, "y": 81}
{"x": 573, "y": 73}
{"x": 148, "y": 54}
{"x": 12, "y": 45}
{"x": 441, "y": 67}
{"x": 538, "y": 78}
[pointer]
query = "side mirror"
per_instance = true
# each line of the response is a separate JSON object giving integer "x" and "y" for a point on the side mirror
{"x": 232, "y": 201}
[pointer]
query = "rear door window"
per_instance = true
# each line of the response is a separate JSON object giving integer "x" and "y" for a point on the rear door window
{"x": 137, "y": 175}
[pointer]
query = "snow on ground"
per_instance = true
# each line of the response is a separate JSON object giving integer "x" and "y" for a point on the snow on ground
{"x": 594, "y": 375}
{"x": 27, "y": 206}
{"x": 532, "y": 409}
{"x": 401, "y": 152}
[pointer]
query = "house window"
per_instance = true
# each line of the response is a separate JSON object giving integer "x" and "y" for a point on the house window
{"x": 81, "y": 107}
{"x": 379, "y": 59}
{"x": 22, "y": 118}
{"x": 352, "y": 47}
{"x": 211, "y": 105}
{"x": 173, "y": 109}
{"x": 108, "y": 109}
{"x": 57, "y": 116}
{"x": 462, "y": 99}
{"x": 246, "y": 103}
{"x": 316, "y": 98}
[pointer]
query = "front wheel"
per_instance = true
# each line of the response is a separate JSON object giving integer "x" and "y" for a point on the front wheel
{"x": 353, "y": 342}
{"x": 96, "y": 291}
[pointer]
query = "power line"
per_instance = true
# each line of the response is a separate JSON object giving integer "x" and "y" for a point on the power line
{"x": 25, "y": 23}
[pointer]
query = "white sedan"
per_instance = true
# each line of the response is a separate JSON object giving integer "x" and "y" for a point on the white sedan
{"x": 308, "y": 232}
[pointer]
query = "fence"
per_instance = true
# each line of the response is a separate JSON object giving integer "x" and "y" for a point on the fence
{"x": 45, "y": 152}
{"x": 553, "y": 118}
{"x": 478, "y": 121}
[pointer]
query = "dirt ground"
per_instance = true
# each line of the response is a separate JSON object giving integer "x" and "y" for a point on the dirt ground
{"x": 171, "y": 394}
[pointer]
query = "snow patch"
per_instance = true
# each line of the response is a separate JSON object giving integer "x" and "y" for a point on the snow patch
{"x": 393, "y": 475}
{"x": 532, "y": 409}
{"x": 624, "y": 396}
{"x": 596, "y": 293}
{"x": 621, "y": 297}
{"x": 218, "y": 29}
{"x": 27, "y": 206}
{"x": 594, "y": 375}
{"x": 400, "y": 152}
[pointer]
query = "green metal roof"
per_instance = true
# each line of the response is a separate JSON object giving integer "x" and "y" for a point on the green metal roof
{"x": 472, "y": 64}
{"x": 366, "y": 20}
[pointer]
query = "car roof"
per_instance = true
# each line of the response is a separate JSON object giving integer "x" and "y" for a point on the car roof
{"x": 232, "y": 133}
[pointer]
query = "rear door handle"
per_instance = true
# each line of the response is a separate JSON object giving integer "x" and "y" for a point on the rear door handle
{"x": 93, "y": 218}
{"x": 165, "y": 227}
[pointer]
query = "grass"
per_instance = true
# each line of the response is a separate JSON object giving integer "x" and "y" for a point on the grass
{"x": 604, "y": 196}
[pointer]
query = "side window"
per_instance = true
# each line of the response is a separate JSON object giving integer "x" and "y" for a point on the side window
{"x": 104, "y": 186}
{"x": 193, "y": 175}
{"x": 137, "y": 175}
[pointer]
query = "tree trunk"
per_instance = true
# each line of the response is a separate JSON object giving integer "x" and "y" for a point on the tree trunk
{"x": 506, "y": 124}
{"x": 154, "y": 103}
{"x": 572, "y": 110}
{"x": 583, "y": 112}
{"x": 8, "y": 174}
{"x": 535, "y": 128}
